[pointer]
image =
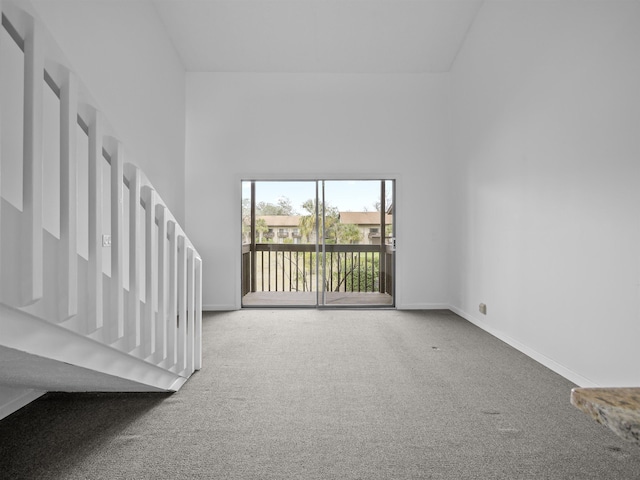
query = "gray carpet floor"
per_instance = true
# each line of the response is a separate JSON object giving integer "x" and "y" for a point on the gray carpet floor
{"x": 327, "y": 394}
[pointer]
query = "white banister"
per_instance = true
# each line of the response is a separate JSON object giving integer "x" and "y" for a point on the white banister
{"x": 116, "y": 317}
{"x": 182, "y": 304}
{"x": 132, "y": 330}
{"x": 172, "y": 317}
{"x": 68, "y": 300}
{"x": 163, "y": 272}
{"x": 32, "y": 235}
{"x": 158, "y": 330}
{"x": 198, "y": 300}
{"x": 191, "y": 313}
{"x": 94, "y": 284}
{"x": 151, "y": 272}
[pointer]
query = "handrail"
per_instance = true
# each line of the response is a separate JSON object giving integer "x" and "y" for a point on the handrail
{"x": 158, "y": 318}
{"x": 348, "y": 267}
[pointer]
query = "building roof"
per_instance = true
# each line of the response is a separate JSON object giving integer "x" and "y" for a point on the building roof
{"x": 364, "y": 218}
{"x": 356, "y": 218}
{"x": 280, "y": 220}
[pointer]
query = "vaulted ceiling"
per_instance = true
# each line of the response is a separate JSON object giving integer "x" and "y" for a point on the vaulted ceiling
{"x": 320, "y": 36}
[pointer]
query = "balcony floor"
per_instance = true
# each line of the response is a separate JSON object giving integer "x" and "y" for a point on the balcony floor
{"x": 289, "y": 299}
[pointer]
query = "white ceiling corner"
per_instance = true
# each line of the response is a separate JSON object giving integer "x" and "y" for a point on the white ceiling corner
{"x": 319, "y": 36}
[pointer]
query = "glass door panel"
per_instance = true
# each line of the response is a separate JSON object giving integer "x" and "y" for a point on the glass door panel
{"x": 279, "y": 243}
{"x": 357, "y": 242}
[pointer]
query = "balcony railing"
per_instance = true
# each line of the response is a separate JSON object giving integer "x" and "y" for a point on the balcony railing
{"x": 300, "y": 268}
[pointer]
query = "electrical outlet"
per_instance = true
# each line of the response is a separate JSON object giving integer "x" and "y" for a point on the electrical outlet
{"x": 106, "y": 240}
{"x": 483, "y": 309}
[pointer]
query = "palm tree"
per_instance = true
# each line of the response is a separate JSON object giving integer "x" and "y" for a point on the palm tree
{"x": 307, "y": 222}
{"x": 261, "y": 228}
{"x": 349, "y": 233}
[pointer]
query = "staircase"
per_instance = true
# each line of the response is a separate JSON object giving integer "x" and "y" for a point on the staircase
{"x": 100, "y": 289}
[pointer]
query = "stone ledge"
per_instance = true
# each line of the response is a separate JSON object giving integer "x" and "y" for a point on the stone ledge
{"x": 617, "y": 408}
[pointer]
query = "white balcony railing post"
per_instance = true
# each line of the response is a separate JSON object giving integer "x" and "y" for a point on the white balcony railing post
{"x": 182, "y": 303}
{"x": 68, "y": 303}
{"x": 198, "y": 306}
{"x": 32, "y": 257}
{"x": 172, "y": 314}
{"x": 151, "y": 272}
{"x": 132, "y": 330}
{"x": 94, "y": 284}
{"x": 116, "y": 318}
{"x": 163, "y": 272}
{"x": 191, "y": 311}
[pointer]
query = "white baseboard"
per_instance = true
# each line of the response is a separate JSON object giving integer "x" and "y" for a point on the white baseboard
{"x": 537, "y": 356}
{"x": 15, "y": 404}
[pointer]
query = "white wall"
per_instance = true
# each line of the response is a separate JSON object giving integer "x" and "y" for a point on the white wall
{"x": 546, "y": 176}
{"x": 122, "y": 53}
{"x": 304, "y": 125}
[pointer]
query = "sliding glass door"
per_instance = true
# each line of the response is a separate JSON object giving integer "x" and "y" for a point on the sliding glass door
{"x": 357, "y": 245}
{"x": 318, "y": 243}
{"x": 280, "y": 251}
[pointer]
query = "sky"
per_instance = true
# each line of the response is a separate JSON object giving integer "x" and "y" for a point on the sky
{"x": 346, "y": 195}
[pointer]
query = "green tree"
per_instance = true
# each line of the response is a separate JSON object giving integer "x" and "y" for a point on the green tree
{"x": 246, "y": 220}
{"x": 307, "y": 222}
{"x": 331, "y": 224}
{"x": 261, "y": 228}
{"x": 283, "y": 207}
{"x": 349, "y": 233}
{"x": 353, "y": 272}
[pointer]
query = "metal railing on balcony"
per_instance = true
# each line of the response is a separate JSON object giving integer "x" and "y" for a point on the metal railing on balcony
{"x": 301, "y": 268}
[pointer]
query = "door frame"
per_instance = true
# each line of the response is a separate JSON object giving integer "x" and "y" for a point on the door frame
{"x": 316, "y": 177}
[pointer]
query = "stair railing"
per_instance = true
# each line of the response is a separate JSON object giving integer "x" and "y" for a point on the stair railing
{"x": 153, "y": 310}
